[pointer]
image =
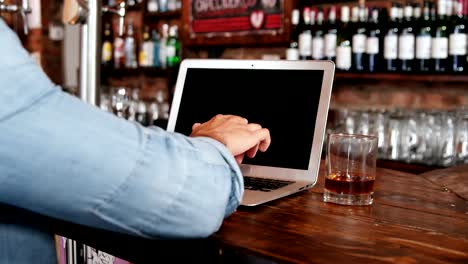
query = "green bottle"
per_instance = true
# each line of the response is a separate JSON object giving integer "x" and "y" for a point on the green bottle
{"x": 173, "y": 48}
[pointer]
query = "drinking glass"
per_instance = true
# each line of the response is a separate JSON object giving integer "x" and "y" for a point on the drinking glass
{"x": 351, "y": 168}
{"x": 461, "y": 139}
{"x": 395, "y": 128}
{"x": 120, "y": 101}
{"x": 447, "y": 153}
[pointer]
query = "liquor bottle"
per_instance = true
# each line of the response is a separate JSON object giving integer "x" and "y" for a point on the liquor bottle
{"x": 416, "y": 12}
{"x": 439, "y": 51}
{"x": 331, "y": 35}
{"x": 171, "y": 5}
{"x": 406, "y": 41}
{"x": 318, "y": 41}
{"x": 458, "y": 38}
{"x": 153, "y": 6}
{"x": 391, "y": 41}
{"x": 343, "y": 48}
{"x": 130, "y": 47}
{"x": 162, "y": 46}
{"x": 173, "y": 47}
{"x": 156, "y": 47}
{"x": 107, "y": 47}
{"x": 119, "y": 51}
{"x": 449, "y": 4}
{"x": 354, "y": 16}
{"x": 145, "y": 57}
{"x": 359, "y": 42}
{"x": 423, "y": 40}
{"x": 305, "y": 38}
{"x": 162, "y": 5}
{"x": 292, "y": 53}
{"x": 373, "y": 43}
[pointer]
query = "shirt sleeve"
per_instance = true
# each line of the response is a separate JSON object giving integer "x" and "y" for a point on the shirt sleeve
{"x": 69, "y": 160}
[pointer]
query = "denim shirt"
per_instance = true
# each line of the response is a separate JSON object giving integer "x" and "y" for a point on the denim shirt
{"x": 65, "y": 159}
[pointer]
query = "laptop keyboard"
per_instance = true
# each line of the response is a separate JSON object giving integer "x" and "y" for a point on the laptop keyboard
{"x": 263, "y": 184}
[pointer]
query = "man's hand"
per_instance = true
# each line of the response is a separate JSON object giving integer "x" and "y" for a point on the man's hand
{"x": 240, "y": 137}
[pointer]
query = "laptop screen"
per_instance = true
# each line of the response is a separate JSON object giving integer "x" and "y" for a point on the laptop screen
{"x": 284, "y": 101}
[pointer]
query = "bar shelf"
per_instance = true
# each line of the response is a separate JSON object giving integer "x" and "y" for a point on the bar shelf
{"x": 147, "y": 71}
{"x": 448, "y": 78}
{"x": 164, "y": 15}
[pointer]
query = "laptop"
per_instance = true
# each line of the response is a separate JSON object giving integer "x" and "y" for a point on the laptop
{"x": 290, "y": 98}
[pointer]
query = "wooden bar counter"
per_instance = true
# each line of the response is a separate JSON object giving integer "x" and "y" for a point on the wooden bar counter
{"x": 414, "y": 219}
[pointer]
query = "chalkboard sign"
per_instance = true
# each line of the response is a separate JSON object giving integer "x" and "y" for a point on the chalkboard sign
{"x": 211, "y": 22}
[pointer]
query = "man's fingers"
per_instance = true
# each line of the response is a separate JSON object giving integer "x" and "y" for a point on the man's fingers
{"x": 239, "y": 158}
{"x": 254, "y": 127}
{"x": 263, "y": 136}
{"x": 237, "y": 119}
{"x": 253, "y": 151}
{"x": 195, "y": 126}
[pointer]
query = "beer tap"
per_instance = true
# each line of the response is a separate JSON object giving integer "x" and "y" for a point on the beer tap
{"x": 88, "y": 14}
{"x": 24, "y": 9}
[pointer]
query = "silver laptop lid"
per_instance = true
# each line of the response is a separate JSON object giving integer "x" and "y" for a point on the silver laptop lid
{"x": 290, "y": 98}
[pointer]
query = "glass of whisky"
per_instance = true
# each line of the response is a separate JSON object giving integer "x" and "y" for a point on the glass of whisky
{"x": 351, "y": 165}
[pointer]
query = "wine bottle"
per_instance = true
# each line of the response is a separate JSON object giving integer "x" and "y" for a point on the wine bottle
{"x": 331, "y": 35}
{"x": 318, "y": 34}
{"x": 359, "y": 42}
{"x": 343, "y": 49}
{"x": 305, "y": 38}
{"x": 458, "y": 39}
{"x": 374, "y": 43}
{"x": 406, "y": 41}
{"x": 423, "y": 40}
{"x": 391, "y": 41}
{"x": 292, "y": 53}
{"x": 439, "y": 51}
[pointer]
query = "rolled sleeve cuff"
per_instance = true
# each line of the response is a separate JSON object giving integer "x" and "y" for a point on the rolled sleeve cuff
{"x": 237, "y": 180}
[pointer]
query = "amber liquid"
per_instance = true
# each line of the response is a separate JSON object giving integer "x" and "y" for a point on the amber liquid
{"x": 343, "y": 184}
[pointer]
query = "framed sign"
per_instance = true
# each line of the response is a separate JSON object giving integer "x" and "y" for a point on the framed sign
{"x": 236, "y": 22}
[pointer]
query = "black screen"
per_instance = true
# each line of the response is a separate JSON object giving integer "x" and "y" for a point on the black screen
{"x": 284, "y": 101}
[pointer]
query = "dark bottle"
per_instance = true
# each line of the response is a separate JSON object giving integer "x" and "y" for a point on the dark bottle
{"x": 439, "y": 51}
{"x": 359, "y": 42}
{"x": 416, "y": 12}
{"x": 305, "y": 38}
{"x": 130, "y": 49}
{"x": 107, "y": 46}
{"x": 343, "y": 48}
{"x": 424, "y": 39}
{"x": 292, "y": 53}
{"x": 458, "y": 38}
{"x": 331, "y": 35}
{"x": 406, "y": 41}
{"x": 391, "y": 41}
{"x": 119, "y": 51}
{"x": 318, "y": 34}
{"x": 156, "y": 48}
{"x": 374, "y": 43}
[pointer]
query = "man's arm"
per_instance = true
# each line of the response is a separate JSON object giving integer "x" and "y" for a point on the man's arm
{"x": 63, "y": 158}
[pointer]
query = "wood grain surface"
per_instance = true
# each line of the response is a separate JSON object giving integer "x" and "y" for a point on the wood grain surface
{"x": 412, "y": 220}
{"x": 454, "y": 179}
